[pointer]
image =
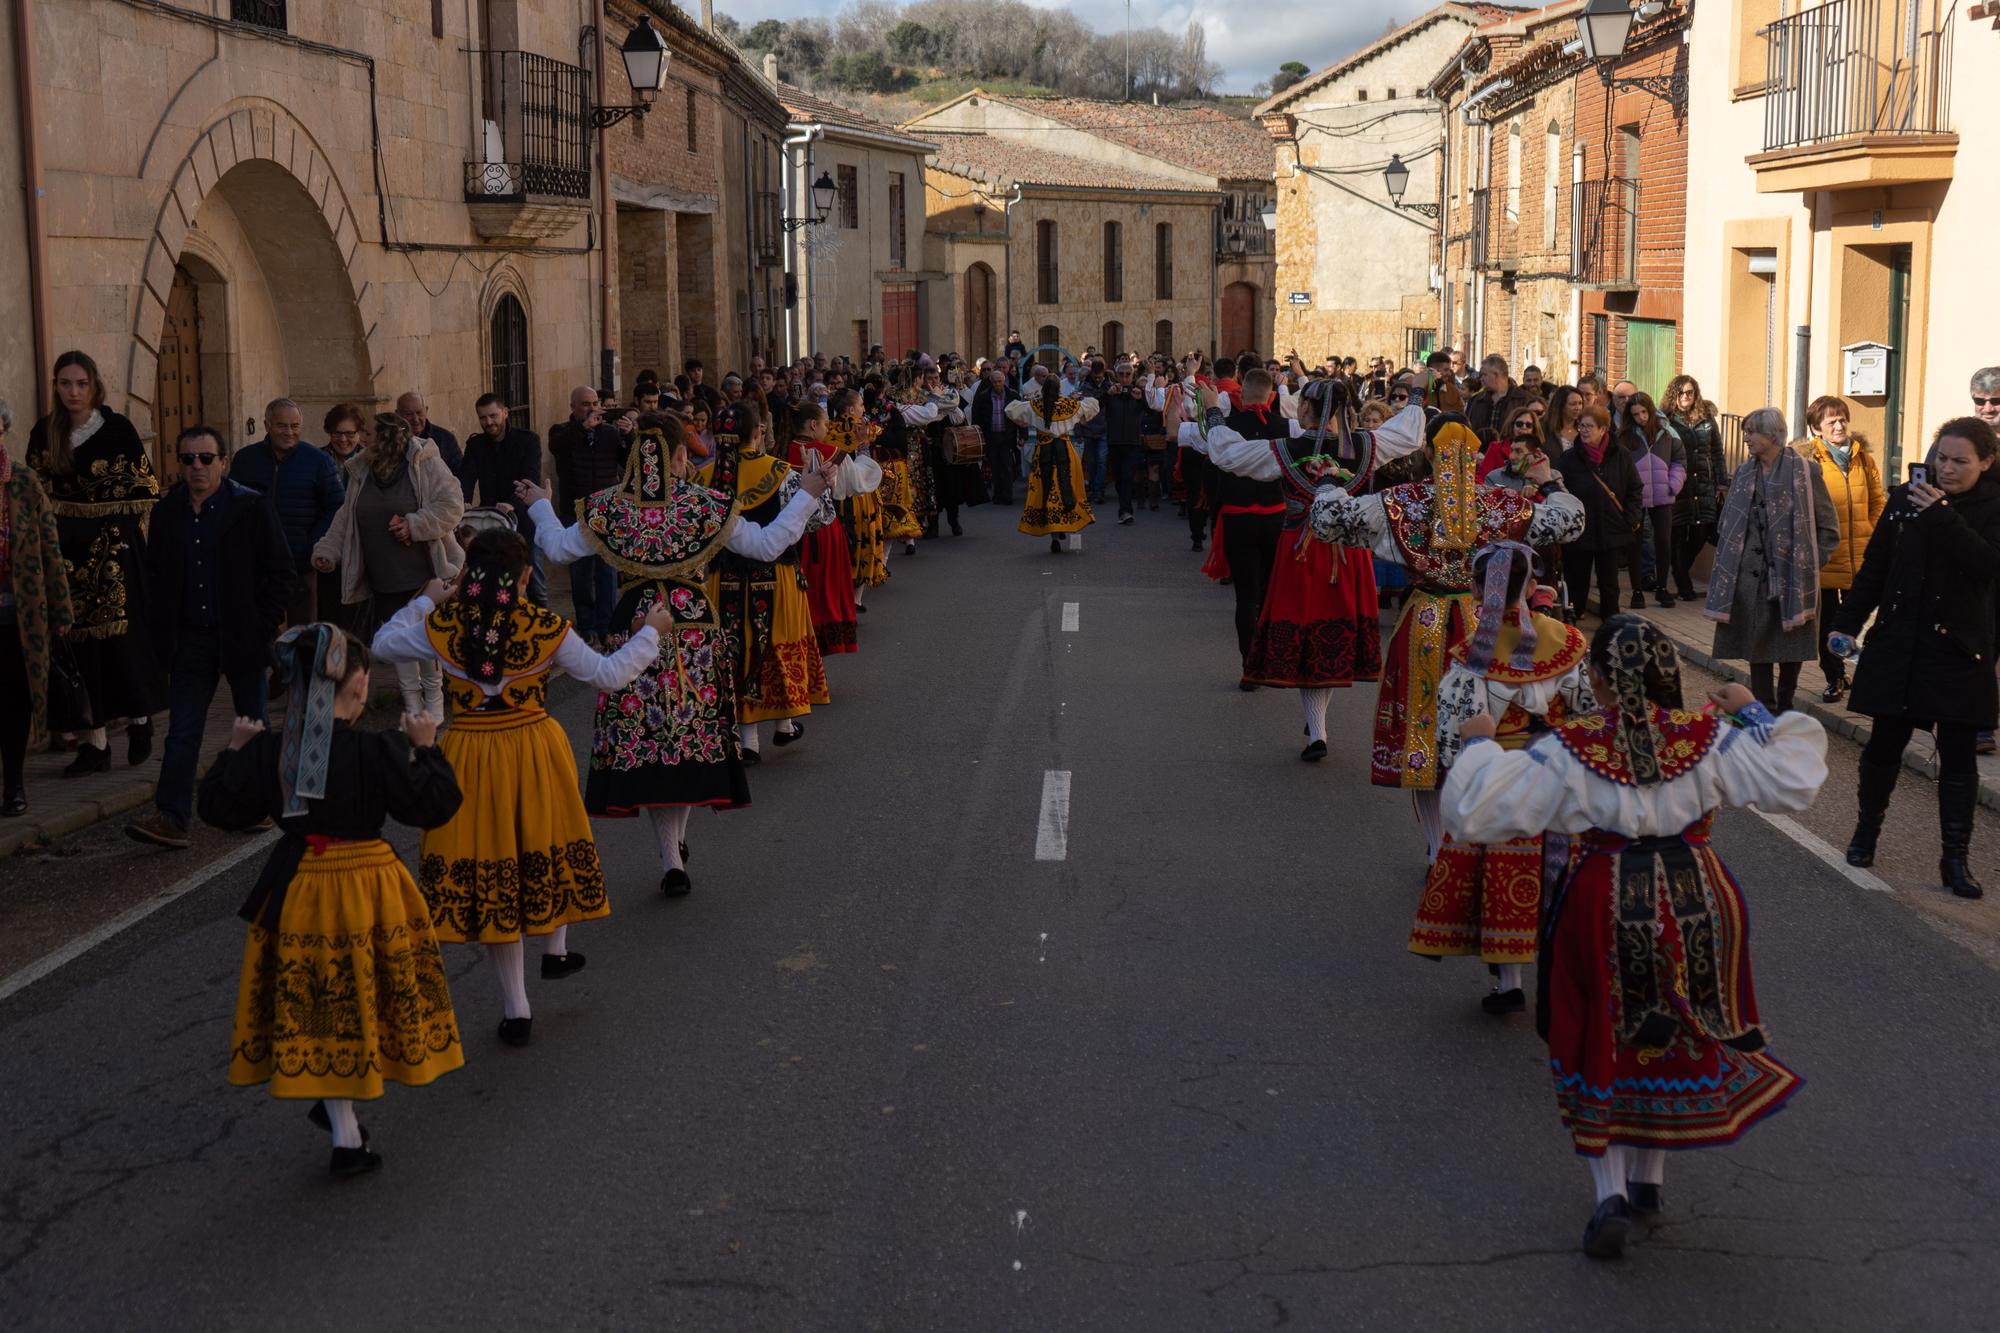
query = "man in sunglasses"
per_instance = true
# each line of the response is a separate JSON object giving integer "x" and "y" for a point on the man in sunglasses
{"x": 220, "y": 568}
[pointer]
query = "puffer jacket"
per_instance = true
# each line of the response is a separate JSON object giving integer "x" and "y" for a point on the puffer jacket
{"x": 1858, "y": 497}
{"x": 1700, "y": 502}
{"x": 1661, "y": 461}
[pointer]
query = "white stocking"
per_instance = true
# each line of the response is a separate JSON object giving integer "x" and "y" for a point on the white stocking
{"x": 95, "y": 737}
{"x": 513, "y": 986}
{"x": 556, "y": 943}
{"x": 746, "y": 736}
{"x": 670, "y": 827}
{"x": 860, "y": 593}
{"x": 1608, "y": 1173}
{"x": 786, "y": 726}
{"x": 1510, "y": 977}
{"x": 1315, "y": 702}
{"x": 340, "y": 1117}
{"x": 1431, "y": 815}
{"x": 1649, "y": 1166}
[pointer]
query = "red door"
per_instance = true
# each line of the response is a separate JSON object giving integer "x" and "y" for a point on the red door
{"x": 1239, "y": 319}
{"x": 899, "y": 320}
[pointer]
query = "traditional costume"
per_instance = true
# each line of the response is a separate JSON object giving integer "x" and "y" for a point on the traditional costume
{"x": 1430, "y": 528}
{"x": 1055, "y": 503}
{"x": 1645, "y": 994}
{"x": 342, "y": 988}
{"x": 909, "y": 495}
{"x": 518, "y": 858}
{"x": 1527, "y": 672}
{"x": 665, "y": 740}
{"x": 824, "y": 557}
{"x": 861, "y": 514}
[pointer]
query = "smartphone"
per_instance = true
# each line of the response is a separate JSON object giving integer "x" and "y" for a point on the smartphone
{"x": 1920, "y": 475}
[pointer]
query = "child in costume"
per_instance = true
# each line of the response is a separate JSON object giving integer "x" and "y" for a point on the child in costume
{"x": 823, "y": 555}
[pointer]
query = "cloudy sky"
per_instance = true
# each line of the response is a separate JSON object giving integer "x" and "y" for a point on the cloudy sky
{"x": 1249, "y": 41}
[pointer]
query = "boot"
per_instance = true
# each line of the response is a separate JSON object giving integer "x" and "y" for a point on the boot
{"x": 1958, "y": 797}
{"x": 1877, "y": 782}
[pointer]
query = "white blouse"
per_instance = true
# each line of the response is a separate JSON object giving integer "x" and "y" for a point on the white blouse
{"x": 1361, "y": 520}
{"x": 1465, "y": 693}
{"x": 753, "y": 541}
{"x": 403, "y": 639}
{"x": 1402, "y": 434}
{"x": 1025, "y": 413}
{"x": 1492, "y": 794}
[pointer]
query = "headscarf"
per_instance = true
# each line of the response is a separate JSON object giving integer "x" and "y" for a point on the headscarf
{"x": 1455, "y": 450}
{"x": 313, "y": 660}
{"x": 1642, "y": 667}
{"x": 1492, "y": 567}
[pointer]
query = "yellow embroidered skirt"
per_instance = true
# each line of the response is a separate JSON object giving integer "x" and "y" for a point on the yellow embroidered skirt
{"x": 1483, "y": 900}
{"x": 518, "y": 857}
{"x": 900, "y": 522}
{"x": 349, "y": 992}
{"x": 864, "y": 534}
{"x": 791, "y": 678}
{"x": 1056, "y": 500}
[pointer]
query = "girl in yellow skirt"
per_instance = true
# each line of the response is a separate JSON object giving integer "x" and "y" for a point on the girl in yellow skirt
{"x": 852, "y": 435}
{"x": 342, "y": 988}
{"x": 1056, "y": 505}
{"x": 518, "y": 859}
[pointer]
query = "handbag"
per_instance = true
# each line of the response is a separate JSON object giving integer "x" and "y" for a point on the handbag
{"x": 69, "y": 697}
{"x": 964, "y": 445}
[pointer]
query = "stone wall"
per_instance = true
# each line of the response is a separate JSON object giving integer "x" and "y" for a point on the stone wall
{"x": 844, "y": 267}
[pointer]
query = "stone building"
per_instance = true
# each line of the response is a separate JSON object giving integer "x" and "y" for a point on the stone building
{"x": 857, "y": 272}
{"x": 1355, "y": 273}
{"x": 1071, "y": 252}
{"x": 1203, "y": 147}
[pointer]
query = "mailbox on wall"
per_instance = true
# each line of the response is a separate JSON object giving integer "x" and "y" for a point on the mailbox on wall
{"x": 1865, "y": 369}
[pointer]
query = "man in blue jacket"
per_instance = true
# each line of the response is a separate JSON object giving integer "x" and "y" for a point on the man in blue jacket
{"x": 302, "y": 482}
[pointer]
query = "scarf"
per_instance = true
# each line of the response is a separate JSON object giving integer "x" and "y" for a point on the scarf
{"x": 1596, "y": 452}
{"x": 1841, "y": 454}
{"x": 1492, "y": 566}
{"x": 1792, "y": 541}
{"x": 313, "y": 659}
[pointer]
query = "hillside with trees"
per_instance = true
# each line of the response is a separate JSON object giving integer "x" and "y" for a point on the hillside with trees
{"x": 934, "y": 49}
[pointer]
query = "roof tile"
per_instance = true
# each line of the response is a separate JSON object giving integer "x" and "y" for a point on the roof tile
{"x": 1207, "y": 139}
{"x": 1005, "y": 162}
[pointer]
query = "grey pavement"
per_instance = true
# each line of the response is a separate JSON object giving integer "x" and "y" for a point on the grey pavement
{"x": 886, "y": 1069}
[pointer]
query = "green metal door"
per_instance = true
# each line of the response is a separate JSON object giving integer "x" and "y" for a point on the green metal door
{"x": 1649, "y": 355}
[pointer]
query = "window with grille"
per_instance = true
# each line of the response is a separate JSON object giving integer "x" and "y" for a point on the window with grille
{"x": 510, "y": 359}
{"x": 262, "y": 13}
{"x": 1163, "y": 261}
{"x": 1048, "y": 284}
{"x": 898, "y": 239}
{"x": 850, "y": 197}
{"x": 693, "y": 122}
{"x": 1163, "y": 337}
{"x": 1112, "y": 341}
{"x": 1114, "y": 261}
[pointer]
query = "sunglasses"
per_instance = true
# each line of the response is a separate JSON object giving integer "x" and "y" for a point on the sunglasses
{"x": 189, "y": 460}
{"x": 1399, "y": 398}
{"x": 1977, "y": 401}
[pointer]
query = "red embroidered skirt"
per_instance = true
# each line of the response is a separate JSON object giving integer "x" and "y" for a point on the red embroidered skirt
{"x": 830, "y": 589}
{"x": 1320, "y": 626}
{"x": 1481, "y": 899}
{"x": 1691, "y": 1091}
{"x": 1405, "y": 749}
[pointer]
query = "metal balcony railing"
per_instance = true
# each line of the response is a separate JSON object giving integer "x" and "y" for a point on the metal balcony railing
{"x": 1854, "y": 68}
{"x": 261, "y": 13}
{"x": 1479, "y": 229}
{"x": 1604, "y": 234}
{"x": 767, "y": 229}
{"x": 537, "y": 133}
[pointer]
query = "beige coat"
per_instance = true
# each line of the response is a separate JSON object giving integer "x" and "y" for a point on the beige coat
{"x": 440, "y": 504}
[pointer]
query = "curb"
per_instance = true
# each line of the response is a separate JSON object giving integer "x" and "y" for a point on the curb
{"x": 1853, "y": 728}
{"x": 75, "y": 818}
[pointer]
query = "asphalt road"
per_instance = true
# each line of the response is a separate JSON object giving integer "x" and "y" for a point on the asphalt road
{"x": 887, "y": 1069}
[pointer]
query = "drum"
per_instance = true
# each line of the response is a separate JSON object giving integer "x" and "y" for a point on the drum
{"x": 963, "y": 445}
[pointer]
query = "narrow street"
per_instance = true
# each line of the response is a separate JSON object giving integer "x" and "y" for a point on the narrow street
{"x": 1042, "y": 988}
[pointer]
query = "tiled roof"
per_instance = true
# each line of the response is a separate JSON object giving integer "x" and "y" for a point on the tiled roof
{"x": 808, "y": 109}
{"x": 1004, "y": 163}
{"x": 1199, "y": 138}
{"x": 1475, "y": 14}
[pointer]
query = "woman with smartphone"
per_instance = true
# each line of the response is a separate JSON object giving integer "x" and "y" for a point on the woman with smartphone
{"x": 1931, "y": 578}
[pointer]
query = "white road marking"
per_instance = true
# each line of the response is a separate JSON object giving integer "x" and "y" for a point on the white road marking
{"x": 1069, "y": 620}
{"x": 1825, "y": 851}
{"x": 1042, "y": 947}
{"x": 1052, "y": 830}
{"x": 84, "y": 943}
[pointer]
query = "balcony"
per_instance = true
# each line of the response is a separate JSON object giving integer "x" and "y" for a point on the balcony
{"x": 767, "y": 229}
{"x": 532, "y": 180}
{"x": 1604, "y": 235}
{"x": 1858, "y": 93}
{"x": 1479, "y": 231}
{"x": 259, "y": 13}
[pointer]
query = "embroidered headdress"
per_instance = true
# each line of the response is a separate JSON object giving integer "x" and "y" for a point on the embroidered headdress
{"x": 1493, "y": 567}
{"x": 1455, "y": 451}
{"x": 653, "y": 524}
{"x": 1639, "y": 661}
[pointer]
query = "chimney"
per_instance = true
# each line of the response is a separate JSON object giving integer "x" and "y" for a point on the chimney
{"x": 1156, "y": 97}
{"x": 771, "y": 68}
{"x": 708, "y": 15}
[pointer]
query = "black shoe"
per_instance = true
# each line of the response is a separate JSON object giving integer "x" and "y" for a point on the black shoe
{"x": 89, "y": 759}
{"x": 1313, "y": 753}
{"x": 1645, "y": 1200}
{"x": 1604, "y": 1238}
{"x": 1247, "y": 687}
{"x": 797, "y": 733}
{"x": 1667, "y": 600}
{"x": 516, "y": 1031}
{"x": 1638, "y": 602}
{"x": 353, "y": 1162}
{"x": 159, "y": 830}
{"x": 1836, "y": 690}
{"x": 676, "y": 884}
{"x": 909, "y": 548}
{"x": 1125, "y": 519}
{"x": 1958, "y": 798}
{"x": 685, "y": 858}
{"x": 556, "y": 966}
{"x": 1198, "y": 543}
{"x": 1055, "y": 546}
{"x": 1686, "y": 592}
{"x": 751, "y": 759}
{"x": 319, "y": 1117}
{"x": 14, "y": 804}
{"x": 139, "y": 743}
{"x": 1505, "y": 1002}
{"x": 1877, "y": 783}
{"x": 956, "y": 530}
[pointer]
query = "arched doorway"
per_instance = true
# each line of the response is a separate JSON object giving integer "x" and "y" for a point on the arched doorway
{"x": 1239, "y": 318}
{"x": 979, "y": 333}
{"x": 177, "y": 397}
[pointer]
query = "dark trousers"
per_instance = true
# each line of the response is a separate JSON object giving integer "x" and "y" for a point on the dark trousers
{"x": 1889, "y": 736}
{"x": 1004, "y": 462}
{"x": 302, "y": 598}
{"x": 1250, "y": 543}
{"x": 1776, "y": 684}
{"x": 1194, "y": 476}
{"x": 1124, "y": 469}
{"x": 1660, "y": 524}
{"x": 191, "y": 680}
{"x": 1579, "y": 565}
{"x": 593, "y": 587}
{"x": 15, "y": 710}
{"x": 1832, "y": 663}
{"x": 1688, "y": 543}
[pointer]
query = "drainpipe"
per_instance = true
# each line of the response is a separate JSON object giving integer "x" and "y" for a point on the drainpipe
{"x": 798, "y": 190}
{"x": 26, "y": 81}
{"x": 1444, "y": 230}
{"x": 1014, "y": 199}
{"x": 608, "y": 357}
{"x": 749, "y": 244}
{"x": 1214, "y": 283}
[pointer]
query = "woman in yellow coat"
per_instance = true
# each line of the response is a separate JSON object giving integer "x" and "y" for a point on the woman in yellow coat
{"x": 1056, "y": 504}
{"x": 1855, "y": 482}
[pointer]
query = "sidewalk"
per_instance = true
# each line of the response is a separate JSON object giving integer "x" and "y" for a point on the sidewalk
{"x": 1693, "y": 633}
{"x": 59, "y": 806}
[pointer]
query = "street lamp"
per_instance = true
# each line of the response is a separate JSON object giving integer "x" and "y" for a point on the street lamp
{"x": 1396, "y": 179}
{"x": 823, "y": 191}
{"x": 645, "y": 56}
{"x": 1604, "y": 27}
{"x": 1269, "y": 217}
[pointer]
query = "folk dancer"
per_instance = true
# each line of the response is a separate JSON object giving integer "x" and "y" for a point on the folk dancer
{"x": 1055, "y": 504}
{"x": 1526, "y": 670}
{"x": 852, "y": 435}
{"x": 1430, "y": 528}
{"x": 1645, "y": 991}
{"x": 665, "y": 741}
{"x": 342, "y": 987}
{"x": 823, "y": 556}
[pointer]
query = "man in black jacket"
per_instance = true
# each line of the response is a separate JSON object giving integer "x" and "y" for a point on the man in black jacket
{"x": 1123, "y": 407}
{"x": 1496, "y": 400}
{"x": 590, "y": 455}
{"x": 496, "y": 458}
{"x": 413, "y": 408}
{"x": 989, "y": 413}
{"x": 219, "y": 569}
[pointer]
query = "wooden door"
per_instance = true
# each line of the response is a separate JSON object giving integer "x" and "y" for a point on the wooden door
{"x": 899, "y": 320}
{"x": 177, "y": 390}
{"x": 1649, "y": 355}
{"x": 1239, "y": 319}
{"x": 979, "y": 311}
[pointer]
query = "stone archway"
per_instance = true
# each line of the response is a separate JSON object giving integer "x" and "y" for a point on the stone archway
{"x": 255, "y": 182}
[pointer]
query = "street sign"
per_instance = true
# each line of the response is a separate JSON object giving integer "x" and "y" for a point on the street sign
{"x": 1299, "y": 298}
